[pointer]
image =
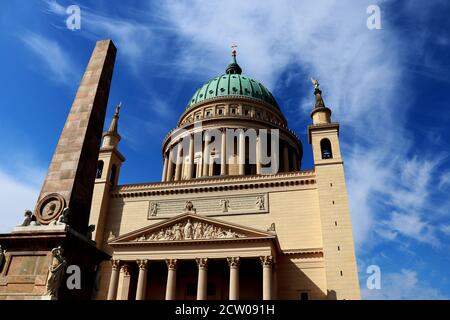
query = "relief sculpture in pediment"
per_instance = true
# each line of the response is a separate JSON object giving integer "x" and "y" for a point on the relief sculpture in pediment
{"x": 190, "y": 230}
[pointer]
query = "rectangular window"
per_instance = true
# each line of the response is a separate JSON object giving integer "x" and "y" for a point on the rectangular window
{"x": 303, "y": 295}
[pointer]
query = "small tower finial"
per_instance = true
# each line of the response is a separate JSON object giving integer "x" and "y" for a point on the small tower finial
{"x": 118, "y": 109}
{"x": 318, "y": 93}
{"x": 112, "y": 137}
{"x": 315, "y": 82}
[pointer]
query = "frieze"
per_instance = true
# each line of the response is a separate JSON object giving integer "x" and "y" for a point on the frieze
{"x": 210, "y": 206}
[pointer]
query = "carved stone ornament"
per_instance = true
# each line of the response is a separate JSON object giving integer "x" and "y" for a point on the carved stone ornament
{"x": 190, "y": 230}
{"x": 111, "y": 236}
{"x": 233, "y": 261}
{"x": 142, "y": 264}
{"x": 225, "y": 204}
{"x": 266, "y": 260}
{"x": 50, "y": 208}
{"x": 125, "y": 269}
{"x": 202, "y": 263}
{"x": 62, "y": 219}
{"x": 153, "y": 209}
{"x": 171, "y": 263}
{"x": 189, "y": 207}
{"x": 259, "y": 203}
{"x": 27, "y": 218}
{"x": 56, "y": 272}
{"x": 115, "y": 264}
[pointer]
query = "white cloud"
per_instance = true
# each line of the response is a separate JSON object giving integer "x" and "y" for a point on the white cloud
{"x": 444, "y": 180}
{"x": 403, "y": 285}
{"x": 57, "y": 63}
{"x": 16, "y": 196}
{"x": 409, "y": 225}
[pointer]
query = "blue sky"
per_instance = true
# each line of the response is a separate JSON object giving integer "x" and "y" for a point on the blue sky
{"x": 388, "y": 88}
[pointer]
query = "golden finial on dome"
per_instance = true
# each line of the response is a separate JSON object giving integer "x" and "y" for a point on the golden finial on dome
{"x": 233, "y": 50}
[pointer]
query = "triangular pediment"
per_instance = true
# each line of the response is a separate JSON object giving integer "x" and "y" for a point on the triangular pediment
{"x": 190, "y": 227}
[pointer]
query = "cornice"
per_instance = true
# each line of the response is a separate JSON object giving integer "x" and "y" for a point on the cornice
{"x": 189, "y": 242}
{"x": 306, "y": 178}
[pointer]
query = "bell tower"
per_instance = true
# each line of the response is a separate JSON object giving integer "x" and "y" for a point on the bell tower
{"x": 108, "y": 166}
{"x": 339, "y": 253}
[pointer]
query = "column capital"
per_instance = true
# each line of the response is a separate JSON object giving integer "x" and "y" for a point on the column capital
{"x": 125, "y": 269}
{"x": 115, "y": 264}
{"x": 202, "y": 263}
{"x": 266, "y": 261}
{"x": 171, "y": 263}
{"x": 142, "y": 263}
{"x": 234, "y": 262}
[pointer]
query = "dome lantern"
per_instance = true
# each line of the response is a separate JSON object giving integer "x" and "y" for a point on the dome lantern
{"x": 233, "y": 67}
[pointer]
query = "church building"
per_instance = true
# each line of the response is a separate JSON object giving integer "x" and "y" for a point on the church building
{"x": 234, "y": 216}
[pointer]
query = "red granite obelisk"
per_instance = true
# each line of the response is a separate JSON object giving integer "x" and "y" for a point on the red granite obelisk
{"x": 71, "y": 175}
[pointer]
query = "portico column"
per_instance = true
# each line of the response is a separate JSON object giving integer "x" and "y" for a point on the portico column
{"x": 164, "y": 173}
{"x": 124, "y": 283}
{"x": 267, "y": 262}
{"x": 285, "y": 157}
{"x": 234, "y": 262}
{"x": 241, "y": 152}
{"x": 223, "y": 153}
{"x": 170, "y": 165}
{"x": 191, "y": 158}
{"x": 142, "y": 280}
{"x": 206, "y": 156}
{"x": 114, "y": 280}
{"x": 179, "y": 162}
{"x": 202, "y": 264}
{"x": 258, "y": 155}
{"x": 171, "y": 279}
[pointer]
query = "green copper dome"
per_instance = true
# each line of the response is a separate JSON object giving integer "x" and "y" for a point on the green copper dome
{"x": 233, "y": 83}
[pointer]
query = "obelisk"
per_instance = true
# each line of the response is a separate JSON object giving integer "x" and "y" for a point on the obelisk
{"x": 71, "y": 175}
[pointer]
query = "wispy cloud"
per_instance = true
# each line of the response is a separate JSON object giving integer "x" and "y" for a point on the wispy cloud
{"x": 409, "y": 225}
{"x": 132, "y": 37}
{"x": 444, "y": 180}
{"x": 58, "y": 65}
{"x": 403, "y": 285}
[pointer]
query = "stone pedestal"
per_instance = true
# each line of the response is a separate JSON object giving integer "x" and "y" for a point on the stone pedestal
{"x": 28, "y": 257}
